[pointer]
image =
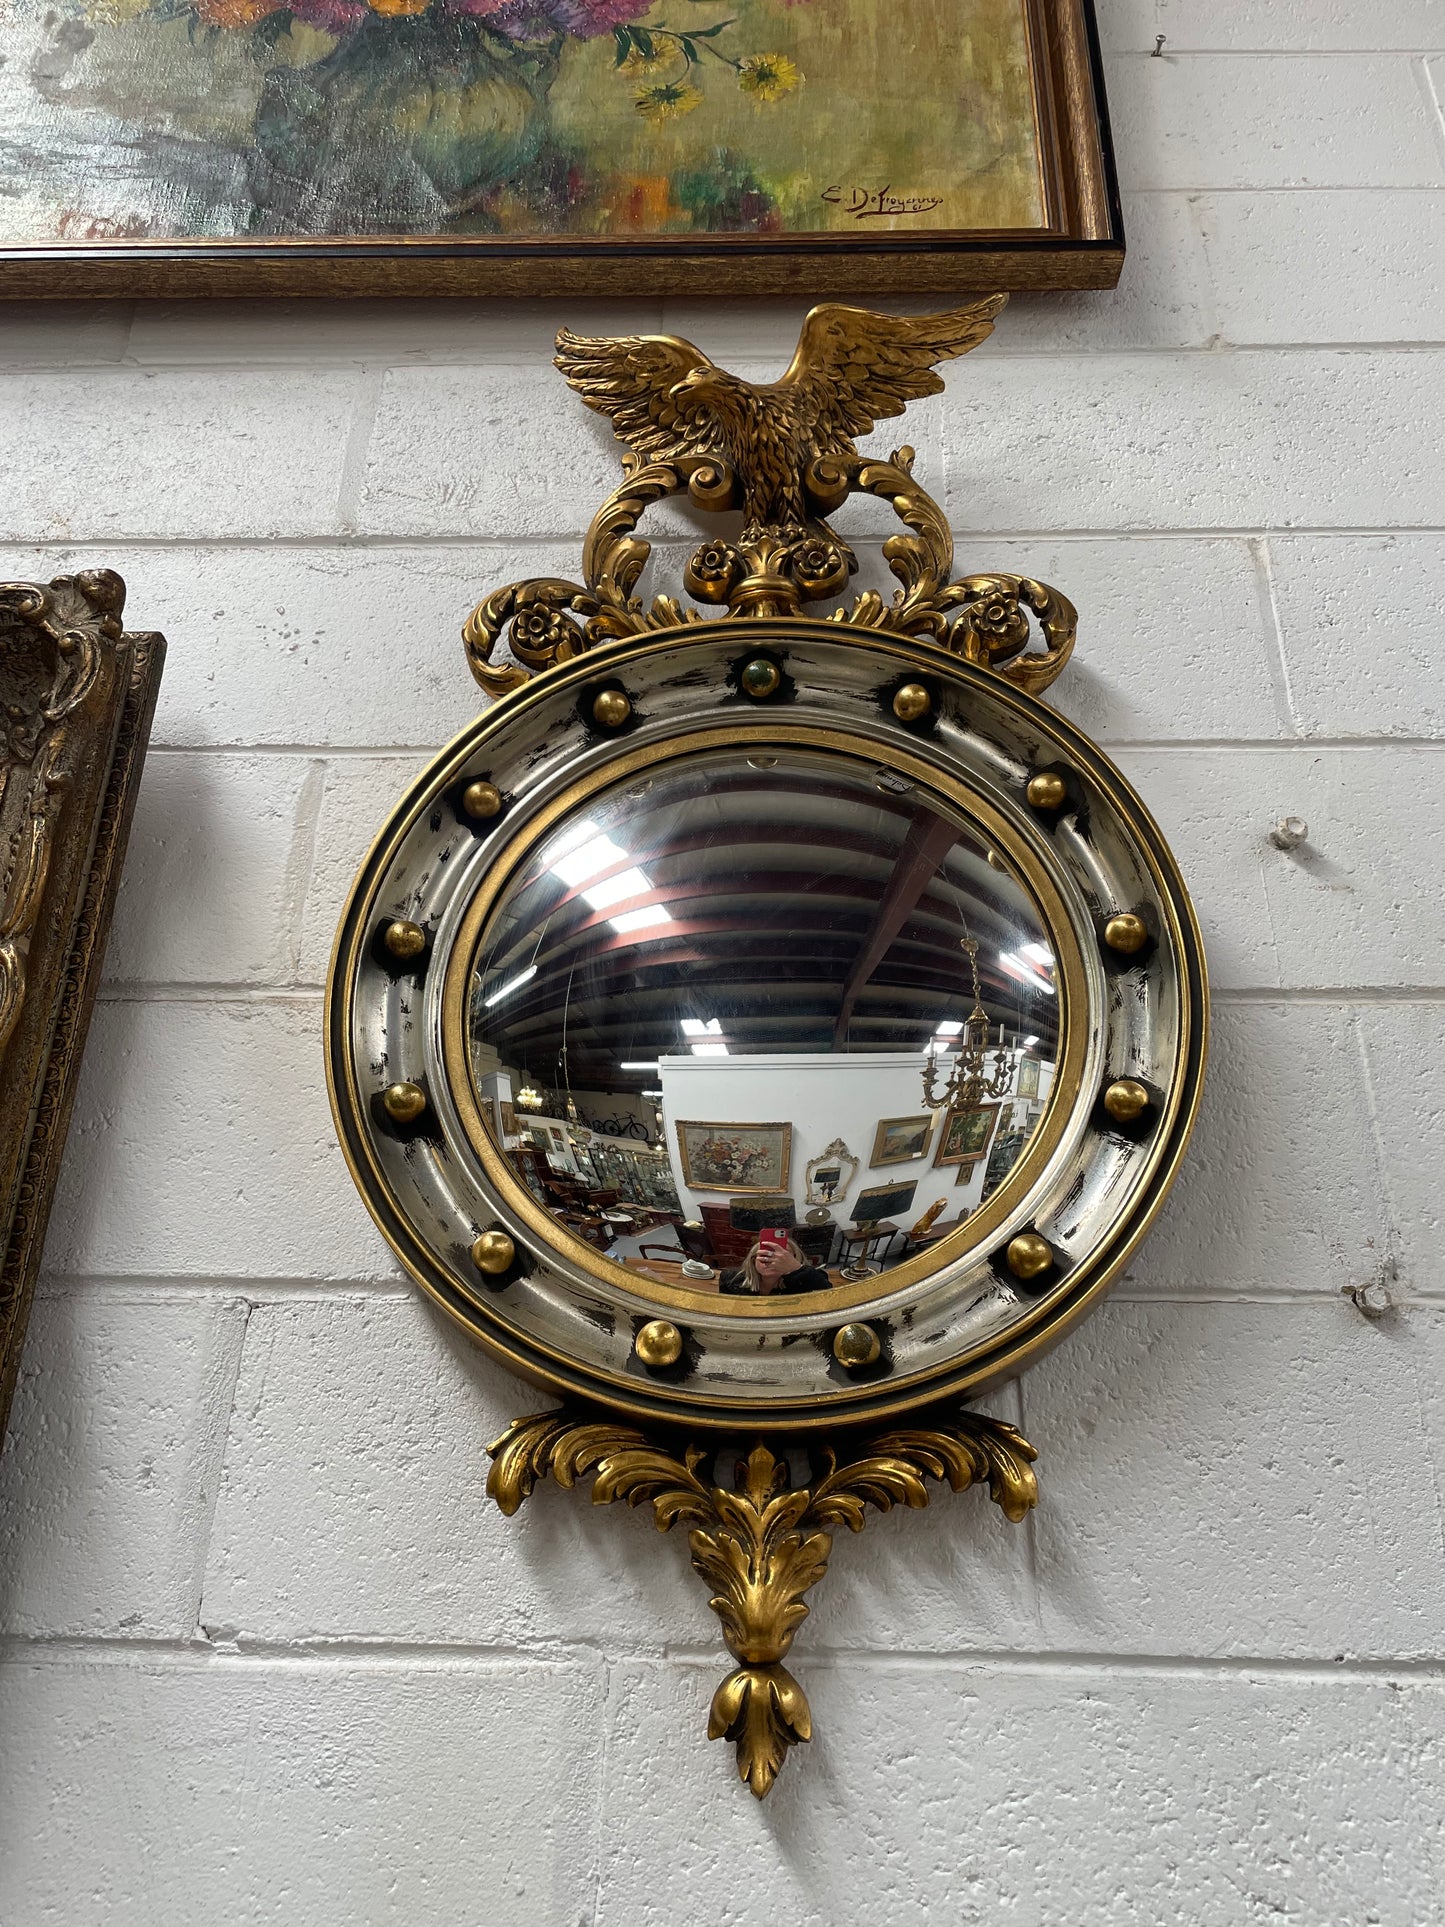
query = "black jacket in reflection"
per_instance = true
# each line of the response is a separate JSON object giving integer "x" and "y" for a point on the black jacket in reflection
{"x": 805, "y": 1278}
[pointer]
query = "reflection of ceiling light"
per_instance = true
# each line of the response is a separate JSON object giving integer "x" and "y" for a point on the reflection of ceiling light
{"x": 642, "y": 1064}
{"x": 529, "y": 1099}
{"x": 569, "y": 839}
{"x": 950, "y": 1028}
{"x": 1036, "y": 953}
{"x": 594, "y": 856}
{"x": 695, "y": 1027}
{"x": 515, "y": 983}
{"x": 1024, "y": 971}
{"x": 626, "y": 883}
{"x": 709, "y": 1050}
{"x": 640, "y": 919}
{"x": 1029, "y": 1042}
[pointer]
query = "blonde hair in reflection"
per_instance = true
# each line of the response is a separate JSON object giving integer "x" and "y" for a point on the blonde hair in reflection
{"x": 750, "y": 1265}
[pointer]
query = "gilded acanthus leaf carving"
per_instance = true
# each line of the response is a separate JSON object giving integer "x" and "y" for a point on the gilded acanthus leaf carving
{"x": 764, "y": 1543}
{"x": 783, "y": 452}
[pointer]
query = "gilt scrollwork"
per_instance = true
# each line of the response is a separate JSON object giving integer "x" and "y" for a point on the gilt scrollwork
{"x": 51, "y": 638}
{"x": 762, "y": 1544}
{"x": 783, "y": 453}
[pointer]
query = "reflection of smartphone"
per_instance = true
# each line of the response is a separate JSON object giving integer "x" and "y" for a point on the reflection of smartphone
{"x": 771, "y": 1239}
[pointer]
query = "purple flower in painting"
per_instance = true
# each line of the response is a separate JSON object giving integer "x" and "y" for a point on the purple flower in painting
{"x": 328, "y": 16}
{"x": 584, "y": 18}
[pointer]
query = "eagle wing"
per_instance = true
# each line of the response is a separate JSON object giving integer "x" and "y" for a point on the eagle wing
{"x": 630, "y": 378}
{"x": 855, "y": 367}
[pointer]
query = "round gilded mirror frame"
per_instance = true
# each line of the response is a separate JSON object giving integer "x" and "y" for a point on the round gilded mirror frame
{"x": 953, "y": 1322}
{"x": 703, "y": 1408}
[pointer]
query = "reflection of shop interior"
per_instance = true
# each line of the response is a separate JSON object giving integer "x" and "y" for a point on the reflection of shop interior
{"x": 776, "y": 939}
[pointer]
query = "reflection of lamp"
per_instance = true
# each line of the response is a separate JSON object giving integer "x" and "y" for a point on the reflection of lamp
{"x": 762, "y": 1213}
{"x": 529, "y": 1099}
{"x": 968, "y": 1080}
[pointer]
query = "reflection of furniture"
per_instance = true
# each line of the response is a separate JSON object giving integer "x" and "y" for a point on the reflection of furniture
{"x": 935, "y": 1233}
{"x": 815, "y": 1241}
{"x": 859, "y": 1239}
{"x": 729, "y": 1245}
{"x": 673, "y": 1274}
{"x": 691, "y": 1241}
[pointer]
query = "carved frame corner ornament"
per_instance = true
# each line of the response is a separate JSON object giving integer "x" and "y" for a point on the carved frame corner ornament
{"x": 936, "y": 688}
{"x": 77, "y": 693}
{"x": 765, "y": 1542}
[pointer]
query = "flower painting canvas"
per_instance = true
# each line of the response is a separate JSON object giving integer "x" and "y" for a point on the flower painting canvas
{"x": 544, "y": 145}
{"x": 735, "y": 1157}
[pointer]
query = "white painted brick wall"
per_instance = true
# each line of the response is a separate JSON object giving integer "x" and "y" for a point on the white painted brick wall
{"x": 266, "y": 1654}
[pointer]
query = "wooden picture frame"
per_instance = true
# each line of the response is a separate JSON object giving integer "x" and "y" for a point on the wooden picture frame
{"x": 899, "y": 1140}
{"x": 966, "y": 1133}
{"x": 711, "y": 1153}
{"x": 629, "y": 153}
{"x": 78, "y": 697}
{"x": 1028, "y": 1084}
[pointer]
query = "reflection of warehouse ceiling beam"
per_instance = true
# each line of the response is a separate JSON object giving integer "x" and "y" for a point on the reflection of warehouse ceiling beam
{"x": 927, "y": 844}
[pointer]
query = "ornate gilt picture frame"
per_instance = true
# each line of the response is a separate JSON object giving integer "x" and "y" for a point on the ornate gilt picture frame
{"x": 735, "y": 1158}
{"x": 552, "y": 147}
{"x": 77, "y": 694}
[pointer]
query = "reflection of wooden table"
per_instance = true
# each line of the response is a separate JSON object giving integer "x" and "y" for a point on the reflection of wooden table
{"x": 877, "y": 1231}
{"x": 939, "y": 1231}
{"x": 667, "y": 1273}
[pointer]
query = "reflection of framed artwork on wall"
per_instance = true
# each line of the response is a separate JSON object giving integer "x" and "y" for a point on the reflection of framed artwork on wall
{"x": 966, "y": 1133}
{"x": 734, "y": 1157}
{"x": 900, "y": 1138}
{"x": 304, "y": 147}
{"x": 1028, "y": 1077}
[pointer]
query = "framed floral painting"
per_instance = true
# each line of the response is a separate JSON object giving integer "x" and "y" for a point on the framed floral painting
{"x": 553, "y": 147}
{"x": 734, "y": 1157}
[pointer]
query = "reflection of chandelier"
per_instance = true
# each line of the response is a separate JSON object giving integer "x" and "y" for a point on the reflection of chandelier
{"x": 529, "y": 1099}
{"x": 968, "y": 1080}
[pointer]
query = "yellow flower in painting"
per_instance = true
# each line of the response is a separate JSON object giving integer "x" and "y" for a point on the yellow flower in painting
{"x": 392, "y": 7}
{"x": 767, "y": 76}
{"x": 639, "y": 63}
{"x": 669, "y": 101}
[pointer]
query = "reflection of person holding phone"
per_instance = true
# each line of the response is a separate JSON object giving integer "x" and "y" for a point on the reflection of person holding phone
{"x": 774, "y": 1264}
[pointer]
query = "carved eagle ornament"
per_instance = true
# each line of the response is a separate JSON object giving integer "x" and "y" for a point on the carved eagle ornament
{"x": 851, "y": 368}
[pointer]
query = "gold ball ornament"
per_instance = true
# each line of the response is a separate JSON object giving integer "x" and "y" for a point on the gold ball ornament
{"x": 761, "y": 678}
{"x": 1127, "y": 933}
{"x": 1126, "y": 1100}
{"x": 1029, "y": 1255}
{"x": 403, "y": 1103}
{"x": 856, "y": 1345}
{"x": 658, "y": 1344}
{"x": 611, "y": 708}
{"x": 1046, "y": 791}
{"x": 404, "y": 939}
{"x": 481, "y": 800}
{"x": 912, "y": 703}
{"x": 493, "y": 1252}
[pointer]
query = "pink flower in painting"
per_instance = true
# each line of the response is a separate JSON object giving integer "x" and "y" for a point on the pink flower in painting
{"x": 479, "y": 9}
{"x": 584, "y": 18}
{"x": 328, "y": 16}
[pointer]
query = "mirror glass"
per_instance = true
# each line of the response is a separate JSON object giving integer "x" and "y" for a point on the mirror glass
{"x": 779, "y": 1018}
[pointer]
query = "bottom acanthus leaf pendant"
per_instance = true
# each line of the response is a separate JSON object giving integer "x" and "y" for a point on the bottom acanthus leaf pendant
{"x": 766, "y": 1542}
